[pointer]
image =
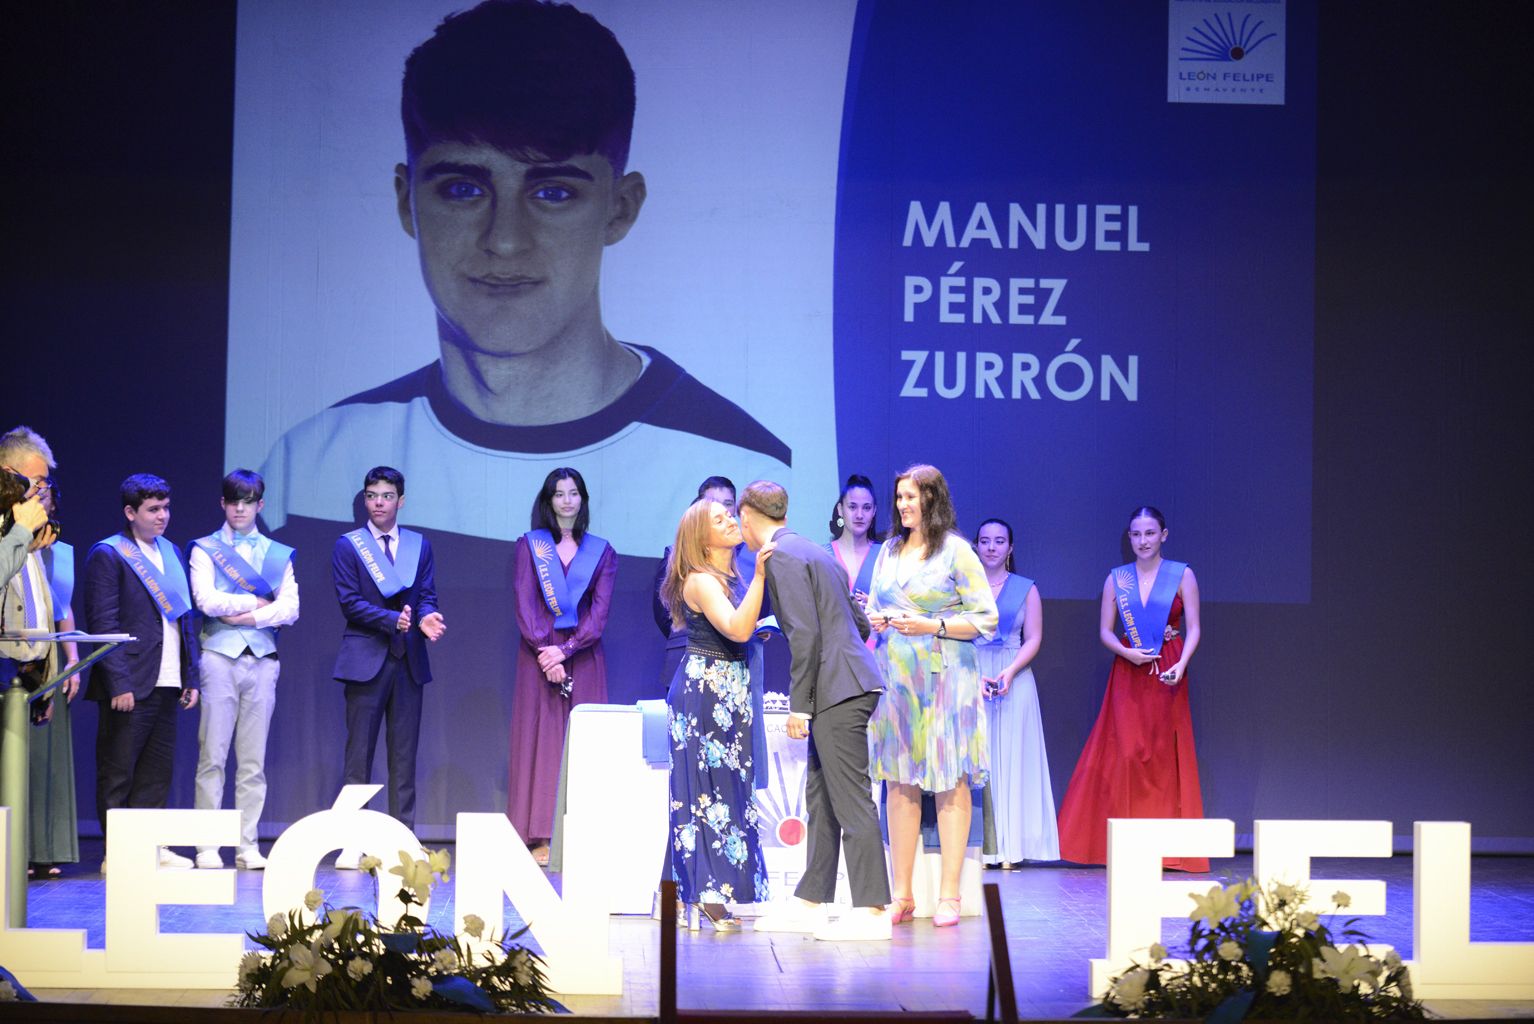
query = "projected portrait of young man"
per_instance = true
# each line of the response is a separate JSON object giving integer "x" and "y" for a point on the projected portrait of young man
{"x": 517, "y": 119}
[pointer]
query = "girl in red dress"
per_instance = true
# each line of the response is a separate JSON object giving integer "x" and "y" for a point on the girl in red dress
{"x": 1139, "y": 760}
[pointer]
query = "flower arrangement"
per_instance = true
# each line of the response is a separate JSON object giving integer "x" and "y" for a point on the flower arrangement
{"x": 1258, "y": 953}
{"x": 322, "y": 959}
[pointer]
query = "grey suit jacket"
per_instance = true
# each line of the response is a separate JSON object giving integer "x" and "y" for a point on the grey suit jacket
{"x": 823, "y": 625}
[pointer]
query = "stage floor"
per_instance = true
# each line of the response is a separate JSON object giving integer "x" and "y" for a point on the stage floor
{"x": 1055, "y": 916}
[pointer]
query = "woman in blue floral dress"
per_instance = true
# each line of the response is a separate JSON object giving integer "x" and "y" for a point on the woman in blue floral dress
{"x": 716, "y": 853}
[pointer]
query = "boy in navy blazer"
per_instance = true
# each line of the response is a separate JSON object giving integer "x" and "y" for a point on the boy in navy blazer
{"x": 385, "y": 583}
{"x": 136, "y": 582}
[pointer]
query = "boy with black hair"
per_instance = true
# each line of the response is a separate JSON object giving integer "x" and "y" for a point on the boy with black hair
{"x": 517, "y": 119}
{"x": 243, "y": 584}
{"x": 136, "y": 583}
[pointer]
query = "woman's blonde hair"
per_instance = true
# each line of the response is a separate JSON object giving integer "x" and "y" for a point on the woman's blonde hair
{"x": 689, "y": 554}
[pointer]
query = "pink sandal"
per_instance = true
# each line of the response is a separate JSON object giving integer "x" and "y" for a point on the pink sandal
{"x": 946, "y": 918}
{"x": 903, "y": 908}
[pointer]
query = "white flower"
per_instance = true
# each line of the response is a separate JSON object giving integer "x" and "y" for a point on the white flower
{"x": 359, "y": 968}
{"x": 1392, "y": 959}
{"x": 250, "y": 963}
{"x": 369, "y": 863}
{"x": 1349, "y": 966}
{"x": 1230, "y": 949}
{"x": 440, "y": 861}
{"x": 336, "y": 922}
{"x": 1278, "y": 982}
{"x": 522, "y": 968}
{"x": 314, "y": 898}
{"x": 1307, "y": 920}
{"x": 473, "y": 925}
{"x": 1342, "y": 899}
{"x": 1284, "y": 893}
{"x": 444, "y": 960}
{"x": 7, "y": 992}
{"x": 1214, "y": 907}
{"x": 306, "y": 968}
{"x": 277, "y": 925}
{"x": 415, "y": 875}
{"x": 420, "y": 987}
{"x": 1129, "y": 991}
{"x": 1404, "y": 984}
{"x": 1157, "y": 952}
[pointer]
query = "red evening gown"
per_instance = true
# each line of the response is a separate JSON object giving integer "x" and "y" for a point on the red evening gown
{"x": 1138, "y": 762}
{"x": 539, "y": 715}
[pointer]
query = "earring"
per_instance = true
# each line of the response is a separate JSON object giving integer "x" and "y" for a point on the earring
{"x": 840, "y": 522}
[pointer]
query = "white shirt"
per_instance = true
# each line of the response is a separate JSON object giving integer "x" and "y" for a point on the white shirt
{"x": 170, "y": 646}
{"x": 283, "y": 611}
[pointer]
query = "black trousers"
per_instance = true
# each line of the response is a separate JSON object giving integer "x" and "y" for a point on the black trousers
{"x": 135, "y": 751}
{"x": 393, "y": 697}
{"x": 840, "y": 808}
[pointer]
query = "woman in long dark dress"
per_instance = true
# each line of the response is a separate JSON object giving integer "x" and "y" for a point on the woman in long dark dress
{"x": 716, "y": 853}
{"x": 1139, "y": 761}
{"x": 564, "y": 587}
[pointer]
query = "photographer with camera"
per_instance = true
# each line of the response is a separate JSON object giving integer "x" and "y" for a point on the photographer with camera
{"x": 47, "y": 580}
{"x": 25, "y": 602}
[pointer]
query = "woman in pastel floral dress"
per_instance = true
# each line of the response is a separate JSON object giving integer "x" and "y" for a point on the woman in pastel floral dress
{"x": 930, "y": 601}
{"x": 716, "y": 852}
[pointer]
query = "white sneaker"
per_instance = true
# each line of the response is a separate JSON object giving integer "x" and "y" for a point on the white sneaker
{"x": 208, "y": 859}
{"x": 171, "y": 859}
{"x": 795, "y": 916}
{"x": 349, "y": 859}
{"x": 250, "y": 859}
{"x": 861, "y": 924}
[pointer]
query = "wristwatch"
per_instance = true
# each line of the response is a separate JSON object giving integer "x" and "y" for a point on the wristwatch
{"x": 942, "y": 627}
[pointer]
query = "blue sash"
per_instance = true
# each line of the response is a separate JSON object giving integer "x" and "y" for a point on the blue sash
{"x": 59, "y": 559}
{"x": 389, "y": 577}
{"x": 1145, "y": 625}
{"x": 167, "y": 588}
{"x": 1013, "y": 593}
{"x": 865, "y": 578}
{"x": 233, "y": 567}
{"x": 563, "y": 589}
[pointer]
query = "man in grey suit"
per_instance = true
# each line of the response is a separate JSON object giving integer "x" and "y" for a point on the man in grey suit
{"x": 834, "y": 688}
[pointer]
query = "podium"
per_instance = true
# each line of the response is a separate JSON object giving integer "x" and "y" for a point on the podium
{"x": 15, "y": 759}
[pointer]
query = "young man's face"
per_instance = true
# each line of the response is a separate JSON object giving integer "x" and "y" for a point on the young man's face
{"x": 150, "y": 519}
{"x": 511, "y": 251}
{"x": 382, "y": 501}
{"x": 241, "y": 513}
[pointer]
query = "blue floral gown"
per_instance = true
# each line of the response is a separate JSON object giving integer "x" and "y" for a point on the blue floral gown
{"x": 716, "y": 853}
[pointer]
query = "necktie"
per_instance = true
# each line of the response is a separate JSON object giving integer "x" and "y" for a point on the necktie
{"x": 28, "y": 600}
{"x": 388, "y": 548}
{"x": 397, "y": 641}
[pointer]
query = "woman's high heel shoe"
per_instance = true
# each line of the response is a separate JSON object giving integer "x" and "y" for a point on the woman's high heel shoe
{"x": 901, "y": 909}
{"x": 718, "y": 916}
{"x": 947, "y": 912}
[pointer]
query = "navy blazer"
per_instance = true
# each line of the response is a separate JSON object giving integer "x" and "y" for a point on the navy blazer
{"x": 116, "y": 602}
{"x": 825, "y": 628}
{"x": 370, "y": 619}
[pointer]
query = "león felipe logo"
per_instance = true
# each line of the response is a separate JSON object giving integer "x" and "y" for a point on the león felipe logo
{"x": 1219, "y": 39}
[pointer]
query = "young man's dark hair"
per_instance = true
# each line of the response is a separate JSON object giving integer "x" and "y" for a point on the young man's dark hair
{"x": 244, "y": 485}
{"x": 716, "y": 482}
{"x": 140, "y": 487}
{"x": 536, "y": 80}
{"x": 385, "y": 475}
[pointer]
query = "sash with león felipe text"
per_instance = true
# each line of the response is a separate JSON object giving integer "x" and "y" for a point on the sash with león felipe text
{"x": 562, "y": 589}
{"x": 1145, "y": 624}
{"x": 1013, "y": 593}
{"x": 389, "y": 577}
{"x": 167, "y": 587}
{"x": 232, "y": 566}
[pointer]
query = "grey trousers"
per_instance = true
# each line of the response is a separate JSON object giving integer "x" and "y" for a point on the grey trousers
{"x": 238, "y": 697}
{"x": 840, "y": 810}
